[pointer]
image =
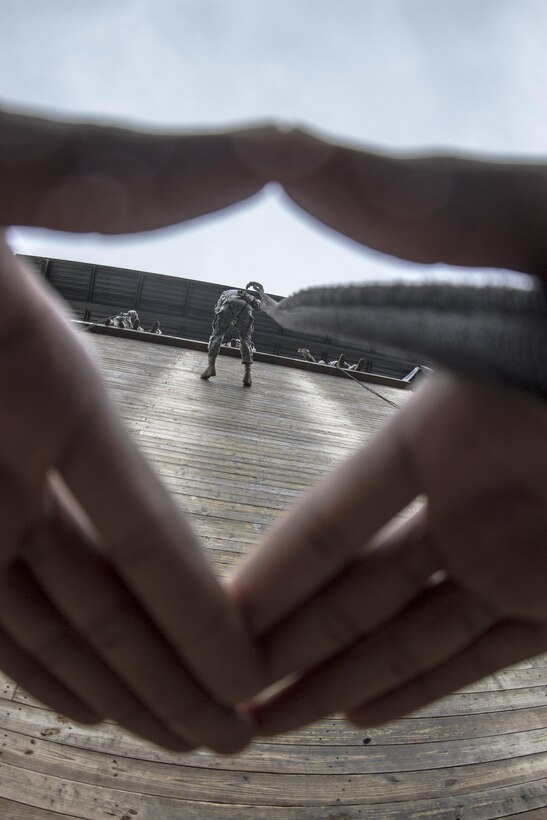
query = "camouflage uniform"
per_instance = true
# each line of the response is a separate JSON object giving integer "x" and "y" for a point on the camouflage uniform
{"x": 234, "y": 310}
{"x": 128, "y": 320}
{"x": 305, "y": 353}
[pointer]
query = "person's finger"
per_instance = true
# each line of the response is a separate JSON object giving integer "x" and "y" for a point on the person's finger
{"x": 442, "y": 623}
{"x": 159, "y": 557}
{"x": 19, "y": 509}
{"x": 420, "y": 208}
{"x": 505, "y": 644}
{"x": 43, "y": 363}
{"x": 31, "y": 621}
{"x": 95, "y": 601}
{"x": 38, "y": 682}
{"x": 369, "y": 592}
{"x": 322, "y": 532}
{"x": 497, "y": 548}
{"x": 87, "y": 177}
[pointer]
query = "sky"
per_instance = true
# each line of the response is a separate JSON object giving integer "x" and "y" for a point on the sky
{"x": 405, "y": 75}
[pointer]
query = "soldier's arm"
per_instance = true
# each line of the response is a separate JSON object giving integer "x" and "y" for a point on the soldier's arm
{"x": 86, "y": 177}
{"x": 251, "y": 300}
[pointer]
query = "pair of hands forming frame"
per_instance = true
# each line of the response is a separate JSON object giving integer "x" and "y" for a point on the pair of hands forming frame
{"x": 110, "y": 609}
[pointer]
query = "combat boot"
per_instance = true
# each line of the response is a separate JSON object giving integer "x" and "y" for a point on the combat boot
{"x": 210, "y": 371}
{"x": 247, "y": 381}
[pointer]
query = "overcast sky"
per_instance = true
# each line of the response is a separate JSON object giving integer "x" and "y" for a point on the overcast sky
{"x": 451, "y": 75}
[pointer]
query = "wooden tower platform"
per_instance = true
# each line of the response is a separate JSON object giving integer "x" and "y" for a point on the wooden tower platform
{"x": 234, "y": 458}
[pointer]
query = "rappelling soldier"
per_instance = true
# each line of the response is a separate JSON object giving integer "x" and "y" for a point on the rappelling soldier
{"x": 234, "y": 311}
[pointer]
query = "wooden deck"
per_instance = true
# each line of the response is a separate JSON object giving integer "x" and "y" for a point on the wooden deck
{"x": 234, "y": 458}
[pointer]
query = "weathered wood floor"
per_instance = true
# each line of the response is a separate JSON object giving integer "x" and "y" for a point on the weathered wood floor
{"x": 234, "y": 458}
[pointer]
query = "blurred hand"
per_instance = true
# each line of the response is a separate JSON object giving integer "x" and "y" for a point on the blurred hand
{"x": 376, "y": 621}
{"x": 365, "y": 617}
{"x": 109, "y": 608}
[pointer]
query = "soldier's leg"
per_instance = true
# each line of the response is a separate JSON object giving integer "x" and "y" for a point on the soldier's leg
{"x": 216, "y": 337}
{"x": 245, "y": 326}
{"x": 221, "y": 323}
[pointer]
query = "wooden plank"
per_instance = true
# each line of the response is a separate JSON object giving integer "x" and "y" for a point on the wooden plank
{"x": 12, "y": 810}
{"x": 191, "y": 776}
{"x": 234, "y": 459}
{"x": 96, "y": 801}
{"x": 491, "y": 804}
{"x": 278, "y": 758}
{"x": 7, "y": 687}
{"x": 27, "y": 716}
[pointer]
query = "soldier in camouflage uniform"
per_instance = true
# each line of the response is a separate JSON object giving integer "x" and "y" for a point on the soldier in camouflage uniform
{"x": 128, "y": 320}
{"x": 234, "y": 311}
{"x": 305, "y": 353}
{"x": 339, "y": 362}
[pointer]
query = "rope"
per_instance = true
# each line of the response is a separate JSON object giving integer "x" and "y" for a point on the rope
{"x": 366, "y": 387}
{"x": 98, "y": 322}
